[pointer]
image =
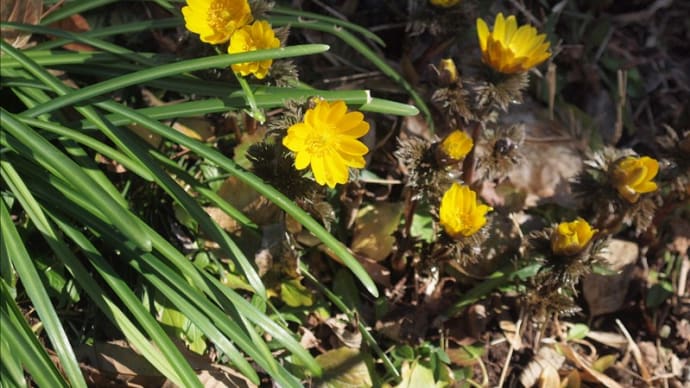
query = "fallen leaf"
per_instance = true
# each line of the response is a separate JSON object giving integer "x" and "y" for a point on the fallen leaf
{"x": 467, "y": 355}
{"x": 343, "y": 368}
{"x": 294, "y": 294}
{"x": 373, "y": 228}
{"x": 347, "y": 332}
{"x": 545, "y": 358}
{"x": 613, "y": 340}
{"x": 606, "y": 293}
{"x": 74, "y": 23}
{"x": 107, "y": 363}
{"x": 221, "y": 377}
{"x": 260, "y": 210}
{"x": 195, "y": 128}
{"x": 603, "y": 363}
{"x": 23, "y": 12}
{"x": 573, "y": 380}
{"x": 575, "y": 358}
{"x": 549, "y": 378}
{"x": 415, "y": 375}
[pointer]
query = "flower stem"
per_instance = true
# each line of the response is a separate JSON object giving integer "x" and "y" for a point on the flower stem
{"x": 256, "y": 113}
{"x": 470, "y": 161}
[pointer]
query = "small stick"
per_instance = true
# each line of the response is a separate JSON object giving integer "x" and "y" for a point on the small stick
{"x": 636, "y": 352}
{"x": 504, "y": 372}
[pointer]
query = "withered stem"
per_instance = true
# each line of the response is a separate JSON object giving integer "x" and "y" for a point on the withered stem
{"x": 470, "y": 161}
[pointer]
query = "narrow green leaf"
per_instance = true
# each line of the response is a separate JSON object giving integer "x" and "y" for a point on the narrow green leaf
{"x": 55, "y": 57}
{"x": 95, "y": 42}
{"x": 96, "y": 220}
{"x": 340, "y": 304}
{"x": 32, "y": 98}
{"x": 90, "y": 142}
{"x": 85, "y": 280}
{"x": 72, "y": 8}
{"x": 339, "y": 22}
{"x": 262, "y": 320}
{"x": 11, "y": 370}
{"x": 125, "y": 28}
{"x": 257, "y": 184}
{"x": 24, "y": 346}
{"x": 53, "y": 160}
{"x": 162, "y": 71}
{"x": 15, "y": 249}
{"x": 504, "y": 275}
{"x": 362, "y": 48}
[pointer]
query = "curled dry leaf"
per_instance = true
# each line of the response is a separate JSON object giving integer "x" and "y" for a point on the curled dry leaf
{"x": 549, "y": 378}
{"x": 576, "y": 359}
{"x": 613, "y": 340}
{"x": 546, "y": 358}
{"x": 23, "y": 12}
{"x": 510, "y": 331}
{"x": 346, "y": 332}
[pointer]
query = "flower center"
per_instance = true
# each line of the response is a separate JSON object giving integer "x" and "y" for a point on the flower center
{"x": 465, "y": 221}
{"x": 319, "y": 143}
{"x": 218, "y": 15}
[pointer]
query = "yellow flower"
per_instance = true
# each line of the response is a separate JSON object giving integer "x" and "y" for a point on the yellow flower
{"x": 461, "y": 215}
{"x": 456, "y": 145}
{"x": 509, "y": 49}
{"x": 570, "y": 238}
{"x": 444, "y": 3}
{"x": 216, "y": 20}
{"x": 258, "y": 36}
{"x": 633, "y": 176}
{"x": 327, "y": 140}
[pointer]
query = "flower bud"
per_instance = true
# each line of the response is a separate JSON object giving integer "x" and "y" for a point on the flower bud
{"x": 453, "y": 148}
{"x": 570, "y": 238}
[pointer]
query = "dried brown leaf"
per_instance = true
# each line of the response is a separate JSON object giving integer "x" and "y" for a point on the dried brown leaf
{"x": 606, "y": 293}
{"x": 19, "y": 11}
{"x": 575, "y": 358}
{"x": 547, "y": 357}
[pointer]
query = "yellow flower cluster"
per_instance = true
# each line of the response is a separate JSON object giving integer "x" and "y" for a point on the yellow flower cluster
{"x": 219, "y": 21}
{"x": 509, "y": 49}
{"x": 327, "y": 141}
{"x": 460, "y": 214}
{"x": 633, "y": 176}
{"x": 570, "y": 238}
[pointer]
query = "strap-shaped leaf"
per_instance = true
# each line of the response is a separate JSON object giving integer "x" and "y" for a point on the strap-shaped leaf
{"x": 14, "y": 248}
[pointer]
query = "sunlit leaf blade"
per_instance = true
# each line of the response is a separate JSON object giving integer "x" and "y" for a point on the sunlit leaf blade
{"x": 217, "y": 61}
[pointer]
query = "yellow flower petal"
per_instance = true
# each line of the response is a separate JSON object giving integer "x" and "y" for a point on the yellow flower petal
{"x": 351, "y": 146}
{"x": 482, "y": 33}
{"x": 500, "y": 28}
{"x": 302, "y": 160}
